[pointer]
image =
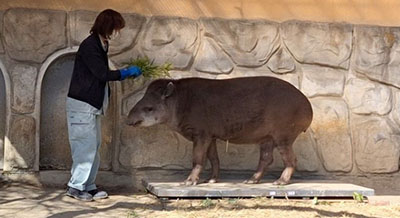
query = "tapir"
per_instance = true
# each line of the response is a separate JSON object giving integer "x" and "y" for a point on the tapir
{"x": 249, "y": 110}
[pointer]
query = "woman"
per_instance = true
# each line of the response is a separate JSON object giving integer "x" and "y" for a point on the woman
{"x": 87, "y": 100}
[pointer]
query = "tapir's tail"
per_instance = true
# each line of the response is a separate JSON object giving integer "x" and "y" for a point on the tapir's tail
{"x": 309, "y": 117}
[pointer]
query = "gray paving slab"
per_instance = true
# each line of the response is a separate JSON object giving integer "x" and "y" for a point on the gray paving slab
{"x": 235, "y": 188}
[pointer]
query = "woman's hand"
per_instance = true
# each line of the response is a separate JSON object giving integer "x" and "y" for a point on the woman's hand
{"x": 132, "y": 71}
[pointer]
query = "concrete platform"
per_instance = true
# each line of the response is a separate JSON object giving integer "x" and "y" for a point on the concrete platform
{"x": 235, "y": 188}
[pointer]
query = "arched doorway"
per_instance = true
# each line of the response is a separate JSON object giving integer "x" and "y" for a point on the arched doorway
{"x": 54, "y": 145}
{"x": 2, "y": 117}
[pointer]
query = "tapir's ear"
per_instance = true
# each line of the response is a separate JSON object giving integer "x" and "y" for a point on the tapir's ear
{"x": 168, "y": 91}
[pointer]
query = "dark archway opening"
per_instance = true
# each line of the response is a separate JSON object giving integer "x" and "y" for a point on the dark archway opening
{"x": 54, "y": 146}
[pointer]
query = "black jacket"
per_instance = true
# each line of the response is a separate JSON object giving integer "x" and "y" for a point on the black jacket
{"x": 91, "y": 72}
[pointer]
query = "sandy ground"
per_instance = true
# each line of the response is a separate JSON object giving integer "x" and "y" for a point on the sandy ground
{"x": 21, "y": 200}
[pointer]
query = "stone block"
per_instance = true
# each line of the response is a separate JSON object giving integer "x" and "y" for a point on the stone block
{"x": 34, "y": 34}
{"x": 377, "y": 53}
{"x": 3, "y": 118}
{"x": 21, "y": 154}
{"x": 1, "y": 32}
{"x": 173, "y": 40}
{"x": 292, "y": 78}
{"x": 318, "y": 43}
{"x": 128, "y": 35}
{"x": 129, "y": 101}
{"x": 249, "y": 43}
{"x": 185, "y": 74}
{"x": 211, "y": 59}
{"x": 368, "y": 97}
{"x": 306, "y": 154}
{"x": 281, "y": 62}
{"x": 23, "y": 78}
{"x": 376, "y": 140}
{"x": 238, "y": 156}
{"x": 155, "y": 146}
{"x": 80, "y": 23}
{"x": 395, "y": 113}
{"x": 322, "y": 81}
{"x": 120, "y": 60}
{"x": 331, "y": 129}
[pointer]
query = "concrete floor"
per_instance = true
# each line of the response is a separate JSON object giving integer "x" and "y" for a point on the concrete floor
{"x": 22, "y": 200}
{"x": 383, "y": 184}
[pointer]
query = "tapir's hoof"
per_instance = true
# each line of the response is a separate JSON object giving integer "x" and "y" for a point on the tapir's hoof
{"x": 251, "y": 181}
{"x": 189, "y": 182}
{"x": 211, "y": 181}
{"x": 280, "y": 182}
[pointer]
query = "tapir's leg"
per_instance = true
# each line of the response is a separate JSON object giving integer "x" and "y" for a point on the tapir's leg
{"x": 200, "y": 147}
{"x": 289, "y": 159}
{"x": 266, "y": 158}
{"x": 212, "y": 155}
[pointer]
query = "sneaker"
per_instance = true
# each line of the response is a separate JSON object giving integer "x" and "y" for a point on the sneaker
{"x": 80, "y": 195}
{"x": 98, "y": 194}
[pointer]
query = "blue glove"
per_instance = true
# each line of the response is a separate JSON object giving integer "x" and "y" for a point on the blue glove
{"x": 130, "y": 71}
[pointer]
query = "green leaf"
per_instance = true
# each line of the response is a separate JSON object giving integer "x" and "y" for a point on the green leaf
{"x": 315, "y": 201}
{"x": 207, "y": 203}
{"x": 358, "y": 197}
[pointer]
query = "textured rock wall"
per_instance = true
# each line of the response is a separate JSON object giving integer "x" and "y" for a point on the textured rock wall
{"x": 2, "y": 117}
{"x": 347, "y": 71}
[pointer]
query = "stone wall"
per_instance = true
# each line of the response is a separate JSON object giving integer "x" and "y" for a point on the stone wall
{"x": 2, "y": 117}
{"x": 349, "y": 73}
{"x": 383, "y": 12}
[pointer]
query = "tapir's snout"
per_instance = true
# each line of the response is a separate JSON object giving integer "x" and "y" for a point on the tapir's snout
{"x": 129, "y": 122}
{"x": 132, "y": 121}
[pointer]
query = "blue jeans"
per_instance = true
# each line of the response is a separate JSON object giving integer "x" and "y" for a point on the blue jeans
{"x": 84, "y": 131}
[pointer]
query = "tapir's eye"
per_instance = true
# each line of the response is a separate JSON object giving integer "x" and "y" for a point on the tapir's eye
{"x": 148, "y": 109}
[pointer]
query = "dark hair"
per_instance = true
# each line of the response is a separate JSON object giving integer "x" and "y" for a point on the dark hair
{"x": 106, "y": 22}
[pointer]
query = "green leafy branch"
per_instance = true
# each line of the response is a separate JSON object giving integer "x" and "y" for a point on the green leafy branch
{"x": 149, "y": 69}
